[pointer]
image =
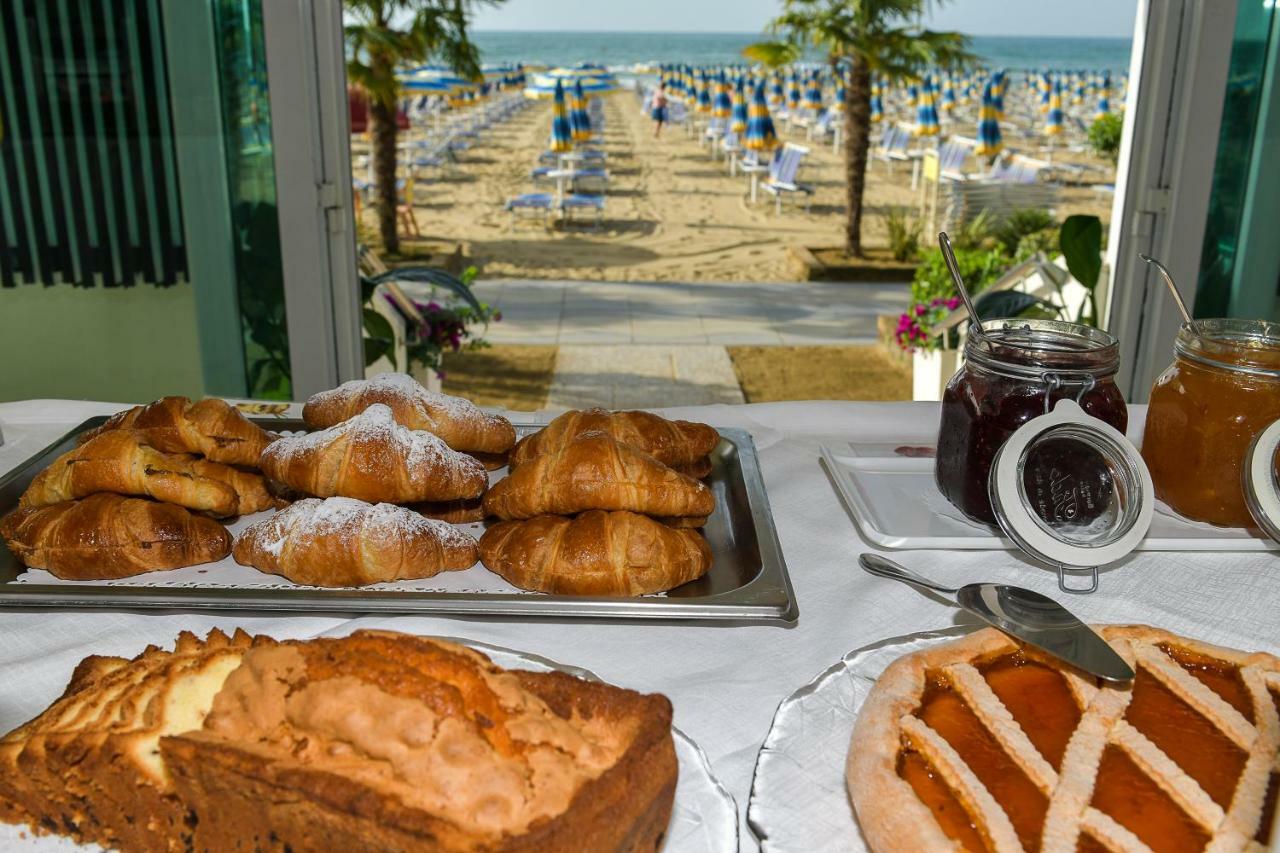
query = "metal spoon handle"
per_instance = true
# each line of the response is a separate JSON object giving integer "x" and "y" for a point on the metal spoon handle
{"x": 949, "y": 256}
{"x": 886, "y": 568}
{"x": 1173, "y": 289}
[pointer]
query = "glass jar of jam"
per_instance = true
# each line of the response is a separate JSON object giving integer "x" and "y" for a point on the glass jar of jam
{"x": 1014, "y": 371}
{"x": 1221, "y": 391}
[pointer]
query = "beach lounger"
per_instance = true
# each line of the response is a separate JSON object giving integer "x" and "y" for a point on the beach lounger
{"x": 783, "y": 174}
{"x": 754, "y": 167}
{"x": 581, "y": 201}
{"x": 537, "y": 204}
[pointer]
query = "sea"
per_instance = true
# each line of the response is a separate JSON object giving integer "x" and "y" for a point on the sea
{"x": 622, "y": 51}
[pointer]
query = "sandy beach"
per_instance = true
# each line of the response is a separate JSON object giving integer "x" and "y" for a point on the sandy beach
{"x": 672, "y": 214}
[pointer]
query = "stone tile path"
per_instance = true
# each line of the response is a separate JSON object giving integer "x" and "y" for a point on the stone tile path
{"x": 633, "y": 376}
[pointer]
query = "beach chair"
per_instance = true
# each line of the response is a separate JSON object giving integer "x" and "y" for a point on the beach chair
{"x": 753, "y": 167}
{"x": 582, "y": 201}
{"x": 531, "y": 205}
{"x": 783, "y": 174}
{"x": 732, "y": 147}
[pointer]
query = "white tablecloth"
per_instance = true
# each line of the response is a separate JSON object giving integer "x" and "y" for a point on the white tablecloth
{"x": 725, "y": 682}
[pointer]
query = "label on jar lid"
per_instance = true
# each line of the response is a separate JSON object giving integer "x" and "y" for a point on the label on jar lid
{"x": 1262, "y": 480}
{"x": 1071, "y": 490}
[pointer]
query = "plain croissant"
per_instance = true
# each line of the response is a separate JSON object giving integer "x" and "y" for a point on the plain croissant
{"x": 346, "y": 542}
{"x": 460, "y": 423}
{"x": 596, "y": 472}
{"x": 372, "y": 458}
{"x": 118, "y": 461}
{"x": 596, "y": 553}
{"x": 107, "y": 536}
{"x": 213, "y": 428}
{"x": 674, "y": 443}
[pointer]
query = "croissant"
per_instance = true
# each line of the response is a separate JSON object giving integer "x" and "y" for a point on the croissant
{"x": 454, "y": 512}
{"x": 108, "y": 536}
{"x": 459, "y": 422}
{"x": 252, "y": 494}
{"x": 372, "y": 458}
{"x": 699, "y": 470}
{"x": 118, "y": 461}
{"x": 596, "y": 553}
{"x": 673, "y": 443}
{"x": 346, "y": 542}
{"x": 213, "y": 428}
{"x": 596, "y": 472}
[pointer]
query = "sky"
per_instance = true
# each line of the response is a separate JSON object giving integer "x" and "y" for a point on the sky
{"x": 975, "y": 17}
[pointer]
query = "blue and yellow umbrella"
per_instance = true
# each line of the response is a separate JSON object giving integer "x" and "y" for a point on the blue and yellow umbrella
{"x": 813, "y": 94}
{"x": 999, "y": 80}
{"x": 1104, "y": 95}
{"x": 760, "y": 133}
{"x": 579, "y": 121}
{"x": 948, "y": 94}
{"x": 989, "y": 144}
{"x": 877, "y": 100}
{"x": 926, "y": 111}
{"x": 1053, "y": 118}
{"x": 739, "y": 117}
{"x": 722, "y": 104}
{"x": 561, "y": 131}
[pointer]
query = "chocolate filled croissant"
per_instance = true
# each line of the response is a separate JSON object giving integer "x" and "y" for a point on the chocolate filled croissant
{"x": 119, "y": 461}
{"x": 107, "y": 536}
{"x": 596, "y": 553}
{"x": 372, "y": 458}
{"x": 674, "y": 443}
{"x": 346, "y": 542}
{"x": 213, "y": 428}
{"x": 596, "y": 472}
{"x": 460, "y": 423}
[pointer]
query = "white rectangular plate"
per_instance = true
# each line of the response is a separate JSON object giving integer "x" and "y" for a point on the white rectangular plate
{"x": 896, "y": 504}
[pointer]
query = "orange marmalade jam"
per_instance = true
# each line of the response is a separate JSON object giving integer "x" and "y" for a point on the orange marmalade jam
{"x": 1222, "y": 389}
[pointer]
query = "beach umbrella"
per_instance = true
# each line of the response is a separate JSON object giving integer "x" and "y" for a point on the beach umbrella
{"x": 813, "y": 94}
{"x": 561, "y": 130}
{"x": 722, "y": 105}
{"x": 739, "y": 117}
{"x": 948, "y": 94}
{"x": 926, "y": 112}
{"x": 1000, "y": 80}
{"x": 760, "y": 133}
{"x": 1104, "y": 95}
{"x": 877, "y": 100}
{"x": 775, "y": 89}
{"x": 579, "y": 121}
{"x": 988, "y": 123}
{"x": 793, "y": 92}
{"x": 703, "y": 93}
{"x": 1053, "y": 118}
{"x": 913, "y": 95}
{"x": 1078, "y": 96}
{"x": 1046, "y": 92}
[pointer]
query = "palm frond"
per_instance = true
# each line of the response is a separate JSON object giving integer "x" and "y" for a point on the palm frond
{"x": 773, "y": 53}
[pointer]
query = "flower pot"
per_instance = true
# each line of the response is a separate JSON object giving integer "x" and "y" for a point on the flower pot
{"x": 931, "y": 370}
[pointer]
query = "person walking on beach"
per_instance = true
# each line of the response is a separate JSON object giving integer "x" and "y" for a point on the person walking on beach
{"x": 659, "y": 109}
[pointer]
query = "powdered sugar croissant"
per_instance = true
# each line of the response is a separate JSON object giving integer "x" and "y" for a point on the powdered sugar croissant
{"x": 346, "y": 542}
{"x": 372, "y": 458}
{"x": 459, "y": 422}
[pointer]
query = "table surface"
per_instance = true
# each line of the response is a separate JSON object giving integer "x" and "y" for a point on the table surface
{"x": 724, "y": 681}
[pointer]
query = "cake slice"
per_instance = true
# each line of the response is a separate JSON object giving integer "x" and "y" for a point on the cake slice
{"x": 382, "y": 741}
{"x": 90, "y": 765}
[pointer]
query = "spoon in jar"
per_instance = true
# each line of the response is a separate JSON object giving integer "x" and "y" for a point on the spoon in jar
{"x": 1173, "y": 290}
{"x": 975, "y": 322}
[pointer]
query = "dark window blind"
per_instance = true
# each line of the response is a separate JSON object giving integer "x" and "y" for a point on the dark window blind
{"x": 88, "y": 177}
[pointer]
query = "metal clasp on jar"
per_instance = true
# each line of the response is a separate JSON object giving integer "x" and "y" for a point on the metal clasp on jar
{"x": 1053, "y": 380}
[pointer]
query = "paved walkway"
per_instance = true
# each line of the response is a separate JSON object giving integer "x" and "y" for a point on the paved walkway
{"x": 635, "y": 376}
{"x": 580, "y": 312}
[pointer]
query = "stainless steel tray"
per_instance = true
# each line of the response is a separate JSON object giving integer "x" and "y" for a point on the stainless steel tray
{"x": 748, "y": 580}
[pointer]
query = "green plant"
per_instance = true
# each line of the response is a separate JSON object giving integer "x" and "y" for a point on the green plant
{"x": 978, "y": 268}
{"x": 1037, "y": 241}
{"x": 1081, "y": 242}
{"x": 1019, "y": 224}
{"x": 1104, "y": 135}
{"x": 383, "y": 35}
{"x": 977, "y": 233}
{"x": 904, "y": 234}
{"x": 865, "y": 37}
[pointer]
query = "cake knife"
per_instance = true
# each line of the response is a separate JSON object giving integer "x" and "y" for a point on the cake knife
{"x": 1023, "y": 614}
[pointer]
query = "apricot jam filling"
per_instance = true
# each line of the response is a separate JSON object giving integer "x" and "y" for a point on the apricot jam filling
{"x": 1193, "y": 742}
{"x": 944, "y": 711}
{"x": 1219, "y": 676}
{"x": 934, "y": 793}
{"x": 1039, "y": 699}
{"x": 1131, "y": 799}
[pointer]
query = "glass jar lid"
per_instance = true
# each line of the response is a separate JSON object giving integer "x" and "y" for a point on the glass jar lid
{"x": 1262, "y": 480}
{"x": 1030, "y": 349}
{"x": 1071, "y": 491}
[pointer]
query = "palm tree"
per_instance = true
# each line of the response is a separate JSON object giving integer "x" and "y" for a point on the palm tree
{"x": 859, "y": 38}
{"x": 383, "y": 35}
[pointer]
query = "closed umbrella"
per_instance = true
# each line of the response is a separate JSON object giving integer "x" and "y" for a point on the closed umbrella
{"x": 704, "y": 93}
{"x": 739, "y": 117}
{"x": 760, "y": 133}
{"x": 913, "y": 95}
{"x": 926, "y": 111}
{"x": 948, "y": 94}
{"x": 776, "y": 94}
{"x": 1000, "y": 81}
{"x": 579, "y": 121}
{"x": 722, "y": 105}
{"x": 877, "y": 100}
{"x": 1053, "y": 118}
{"x": 813, "y": 94}
{"x": 989, "y": 144}
{"x": 1046, "y": 92}
{"x": 561, "y": 131}
{"x": 1104, "y": 95}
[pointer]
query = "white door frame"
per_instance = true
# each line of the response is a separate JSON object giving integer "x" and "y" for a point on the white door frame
{"x": 310, "y": 129}
{"x": 1177, "y": 85}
